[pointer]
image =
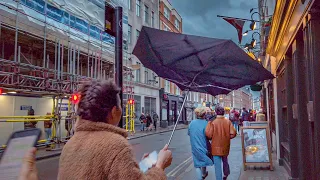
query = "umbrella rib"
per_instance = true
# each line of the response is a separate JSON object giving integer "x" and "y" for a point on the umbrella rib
{"x": 194, "y": 49}
{"x": 210, "y": 85}
{"x": 193, "y": 53}
{"x": 153, "y": 51}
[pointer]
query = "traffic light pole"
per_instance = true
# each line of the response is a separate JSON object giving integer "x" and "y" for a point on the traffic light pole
{"x": 119, "y": 55}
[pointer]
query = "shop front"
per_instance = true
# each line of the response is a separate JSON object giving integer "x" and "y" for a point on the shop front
{"x": 170, "y": 107}
{"x": 188, "y": 109}
{"x": 293, "y": 97}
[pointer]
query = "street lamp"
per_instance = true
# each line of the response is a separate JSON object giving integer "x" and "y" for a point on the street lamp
{"x": 253, "y": 41}
{"x": 253, "y": 23}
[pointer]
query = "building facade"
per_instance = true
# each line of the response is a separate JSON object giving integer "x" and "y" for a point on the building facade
{"x": 145, "y": 83}
{"x": 238, "y": 99}
{"x": 292, "y": 98}
{"x": 171, "y": 96}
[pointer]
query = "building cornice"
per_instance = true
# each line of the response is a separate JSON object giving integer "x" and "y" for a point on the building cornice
{"x": 285, "y": 26}
{"x": 279, "y": 24}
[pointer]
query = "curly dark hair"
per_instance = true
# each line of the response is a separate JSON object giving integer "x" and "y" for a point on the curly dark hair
{"x": 219, "y": 110}
{"x": 97, "y": 98}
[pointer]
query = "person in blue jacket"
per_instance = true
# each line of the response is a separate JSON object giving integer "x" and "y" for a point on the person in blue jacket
{"x": 200, "y": 145}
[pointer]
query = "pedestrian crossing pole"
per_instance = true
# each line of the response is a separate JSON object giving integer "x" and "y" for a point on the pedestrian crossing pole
{"x": 113, "y": 26}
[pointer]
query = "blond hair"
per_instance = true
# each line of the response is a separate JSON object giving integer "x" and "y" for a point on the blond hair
{"x": 200, "y": 112}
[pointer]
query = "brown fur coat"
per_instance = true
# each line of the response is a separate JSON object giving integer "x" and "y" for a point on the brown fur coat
{"x": 101, "y": 151}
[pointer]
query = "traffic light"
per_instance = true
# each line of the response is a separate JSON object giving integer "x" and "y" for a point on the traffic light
{"x": 75, "y": 98}
{"x": 131, "y": 101}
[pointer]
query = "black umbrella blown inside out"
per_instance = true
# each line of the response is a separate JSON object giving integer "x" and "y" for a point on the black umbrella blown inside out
{"x": 202, "y": 64}
{"x": 194, "y": 63}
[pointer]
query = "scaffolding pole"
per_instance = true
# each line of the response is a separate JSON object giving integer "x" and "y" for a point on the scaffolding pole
{"x": 55, "y": 57}
{"x": 78, "y": 63}
{"x": 16, "y": 34}
{"x": 62, "y": 55}
{"x": 59, "y": 60}
{"x": 19, "y": 51}
{"x": 45, "y": 36}
{"x": 95, "y": 65}
{"x": 68, "y": 64}
{"x": 74, "y": 62}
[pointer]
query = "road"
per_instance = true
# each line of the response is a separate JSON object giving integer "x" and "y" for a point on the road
{"x": 181, "y": 168}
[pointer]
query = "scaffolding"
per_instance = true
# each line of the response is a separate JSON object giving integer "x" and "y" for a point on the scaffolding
{"x": 41, "y": 58}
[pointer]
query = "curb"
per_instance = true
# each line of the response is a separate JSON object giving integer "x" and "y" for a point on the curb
{"x": 144, "y": 135}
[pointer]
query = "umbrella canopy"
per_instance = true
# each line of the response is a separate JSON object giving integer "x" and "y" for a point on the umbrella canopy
{"x": 209, "y": 65}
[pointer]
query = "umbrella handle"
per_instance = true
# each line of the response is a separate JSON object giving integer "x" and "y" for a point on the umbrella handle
{"x": 175, "y": 125}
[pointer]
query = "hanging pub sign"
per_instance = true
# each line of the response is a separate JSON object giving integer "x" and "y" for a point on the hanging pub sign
{"x": 256, "y": 146}
{"x": 110, "y": 20}
{"x": 256, "y": 87}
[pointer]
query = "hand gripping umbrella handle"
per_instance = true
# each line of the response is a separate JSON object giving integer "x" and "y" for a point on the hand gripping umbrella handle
{"x": 175, "y": 125}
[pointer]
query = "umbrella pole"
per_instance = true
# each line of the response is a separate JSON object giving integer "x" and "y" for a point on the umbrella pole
{"x": 175, "y": 125}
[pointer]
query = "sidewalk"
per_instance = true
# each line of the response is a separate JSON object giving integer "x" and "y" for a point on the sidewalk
{"x": 42, "y": 153}
{"x": 187, "y": 171}
{"x": 279, "y": 173}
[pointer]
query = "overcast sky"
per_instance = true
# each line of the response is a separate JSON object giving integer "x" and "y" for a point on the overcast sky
{"x": 200, "y": 17}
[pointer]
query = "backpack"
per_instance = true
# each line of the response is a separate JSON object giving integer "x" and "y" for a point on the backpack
{"x": 232, "y": 116}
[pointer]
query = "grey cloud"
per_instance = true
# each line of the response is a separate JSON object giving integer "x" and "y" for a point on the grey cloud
{"x": 200, "y": 17}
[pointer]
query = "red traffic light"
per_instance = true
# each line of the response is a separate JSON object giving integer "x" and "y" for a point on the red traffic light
{"x": 131, "y": 101}
{"x": 75, "y": 98}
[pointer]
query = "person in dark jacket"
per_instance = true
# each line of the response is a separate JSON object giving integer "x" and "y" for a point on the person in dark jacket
{"x": 155, "y": 120}
{"x": 209, "y": 116}
{"x": 143, "y": 121}
{"x": 47, "y": 129}
{"x": 30, "y": 124}
{"x": 245, "y": 117}
{"x": 149, "y": 121}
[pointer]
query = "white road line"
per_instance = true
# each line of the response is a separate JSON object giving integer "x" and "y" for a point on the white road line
{"x": 176, "y": 169}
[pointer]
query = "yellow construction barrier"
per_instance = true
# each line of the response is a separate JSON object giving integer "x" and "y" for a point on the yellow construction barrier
{"x": 12, "y": 117}
{"x": 27, "y": 120}
{"x": 130, "y": 117}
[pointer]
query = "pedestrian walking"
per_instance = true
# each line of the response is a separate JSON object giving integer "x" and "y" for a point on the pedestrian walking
{"x": 155, "y": 120}
{"x": 47, "y": 129}
{"x": 260, "y": 116}
{"x": 30, "y": 124}
{"x": 143, "y": 121}
{"x": 200, "y": 145}
{"x": 234, "y": 118}
{"x": 149, "y": 122}
{"x": 245, "y": 117}
{"x": 68, "y": 124}
{"x": 209, "y": 115}
{"x": 220, "y": 131}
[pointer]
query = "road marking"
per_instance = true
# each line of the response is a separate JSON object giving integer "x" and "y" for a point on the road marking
{"x": 176, "y": 169}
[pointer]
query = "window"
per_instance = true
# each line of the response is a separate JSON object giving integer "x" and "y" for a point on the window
{"x": 138, "y": 2}
{"x": 166, "y": 12}
{"x": 129, "y": 4}
{"x": 137, "y": 34}
{"x": 146, "y": 76}
{"x": 177, "y": 91}
{"x": 152, "y": 19}
{"x": 129, "y": 33}
{"x": 166, "y": 27}
{"x": 167, "y": 86}
{"x": 146, "y": 14}
{"x": 177, "y": 23}
{"x": 138, "y": 73}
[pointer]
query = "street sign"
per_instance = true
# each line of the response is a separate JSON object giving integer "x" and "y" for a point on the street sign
{"x": 25, "y": 107}
{"x": 110, "y": 20}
